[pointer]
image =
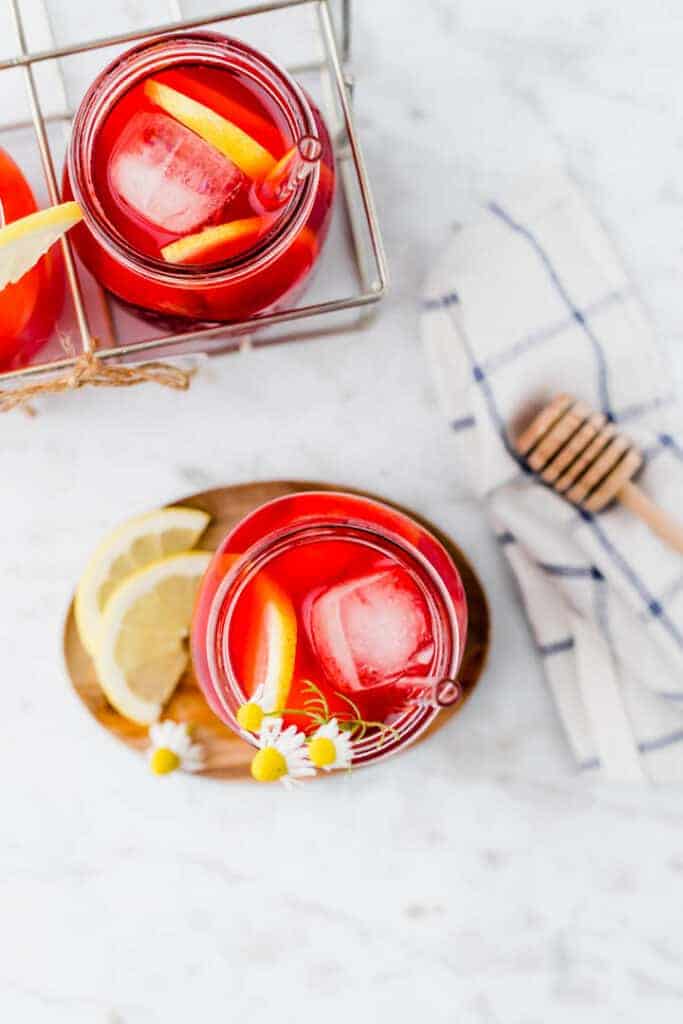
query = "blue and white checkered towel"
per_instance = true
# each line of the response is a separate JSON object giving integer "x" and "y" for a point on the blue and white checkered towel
{"x": 526, "y": 303}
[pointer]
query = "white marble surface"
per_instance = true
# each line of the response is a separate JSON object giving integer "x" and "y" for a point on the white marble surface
{"x": 476, "y": 879}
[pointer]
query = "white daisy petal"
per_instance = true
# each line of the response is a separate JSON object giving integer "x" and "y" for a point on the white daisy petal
{"x": 270, "y": 731}
{"x": 193, "y": 760}
{"x": 341, "y": 741}
{"x": 329, "y": 730}
{"x": 181, "y": 743}
{"x": 344, "y": 755}
{"x": 165, "y": 732}
{"x": 155, "y": 734}
{"x": 298, "y": 765}
{"x": 289, "y": 745}
{"x": 182, "y": 733}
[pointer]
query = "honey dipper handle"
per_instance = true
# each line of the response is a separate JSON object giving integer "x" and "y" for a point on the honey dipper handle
{"x": 659, "y": 522}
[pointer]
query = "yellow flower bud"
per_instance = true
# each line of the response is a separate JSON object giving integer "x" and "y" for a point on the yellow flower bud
{"x": 322, "y": 751}
{"x": 268, "y": 765}
{"x": 164, "y": 761}
{"x": 250, "y": 716}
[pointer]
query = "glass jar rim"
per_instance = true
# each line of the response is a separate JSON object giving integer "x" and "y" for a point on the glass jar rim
{"x": 413, "y": 721}
{"x": 160, "y": 52}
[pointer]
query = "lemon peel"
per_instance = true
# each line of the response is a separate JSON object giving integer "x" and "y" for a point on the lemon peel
{"x": 24, "y": 241}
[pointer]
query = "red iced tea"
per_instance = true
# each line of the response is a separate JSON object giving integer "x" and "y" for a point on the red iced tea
{"x": 29, "y": 308}
{"x": 324, "y": 600}
{"x": 206, "y": 177}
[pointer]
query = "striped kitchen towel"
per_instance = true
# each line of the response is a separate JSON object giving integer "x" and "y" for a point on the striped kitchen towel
{"x": 528, "y": 302}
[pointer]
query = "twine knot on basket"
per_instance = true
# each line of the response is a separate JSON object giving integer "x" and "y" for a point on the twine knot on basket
{"x": 88, "y": 369}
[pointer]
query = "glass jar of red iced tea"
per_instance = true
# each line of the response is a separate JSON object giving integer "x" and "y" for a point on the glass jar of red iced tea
{"x": 29, "y": 308}
{"x": 334, "y": 602}
{"x": 206, "y": 178}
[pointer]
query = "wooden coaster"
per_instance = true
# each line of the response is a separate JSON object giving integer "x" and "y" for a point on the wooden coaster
{"x": 228, "y": 756}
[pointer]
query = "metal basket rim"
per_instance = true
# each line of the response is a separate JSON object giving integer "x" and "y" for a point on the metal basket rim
{"x": 334, "y": 63}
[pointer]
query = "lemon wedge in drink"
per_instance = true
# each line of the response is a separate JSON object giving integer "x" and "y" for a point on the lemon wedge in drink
{"x": 127, "y": 549}
{"x": 216, "y": 241}
{"x": 245, "y": 152}
{"x": 24, "y": 241}
{"x": 142, "y": 650}
{"x": 269, "y": 644}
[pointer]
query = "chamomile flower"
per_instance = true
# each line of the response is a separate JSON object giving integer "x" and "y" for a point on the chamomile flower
{"x": 171, "y": 748}
{"x": 250, "y": 715}
{"x": 330, "y": 748}
{"x": 282, "y": 754}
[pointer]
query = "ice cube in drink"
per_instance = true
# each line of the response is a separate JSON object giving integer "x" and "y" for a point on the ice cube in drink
{"x": 370, "y": 630}
{"x": 362, "y": 629}
{"x": 171, "y": 177}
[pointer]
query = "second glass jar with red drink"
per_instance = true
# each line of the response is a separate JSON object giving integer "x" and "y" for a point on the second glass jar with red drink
{"x": 29, "y": 308}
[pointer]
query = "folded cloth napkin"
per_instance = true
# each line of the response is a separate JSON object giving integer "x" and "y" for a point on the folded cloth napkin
{"x": 526, "y": 303}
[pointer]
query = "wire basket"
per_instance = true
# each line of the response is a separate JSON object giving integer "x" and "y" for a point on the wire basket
{"x": 352, "y": 274}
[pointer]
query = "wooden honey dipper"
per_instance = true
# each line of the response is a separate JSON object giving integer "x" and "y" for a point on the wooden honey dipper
{"x": 580, "y": 455}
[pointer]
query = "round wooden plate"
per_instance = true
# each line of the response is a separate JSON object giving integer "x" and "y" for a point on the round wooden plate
{"x": 228, "y": 756}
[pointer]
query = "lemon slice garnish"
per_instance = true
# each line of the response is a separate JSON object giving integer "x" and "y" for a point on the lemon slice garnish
{"x": 24, "y": 241}
{"x": 127, "y": 549}
{"x": 197, "y": 247}
{"x": 270, "y": 644}
{"x": 142, "y": 650}
{"x": 245, "y": 152}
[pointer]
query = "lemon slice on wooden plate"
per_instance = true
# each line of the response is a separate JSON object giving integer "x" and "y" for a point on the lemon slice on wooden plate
{"x": 127, "y": 549}
{"x": 24, "y": 241}
{"x": 143, "y": 651}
